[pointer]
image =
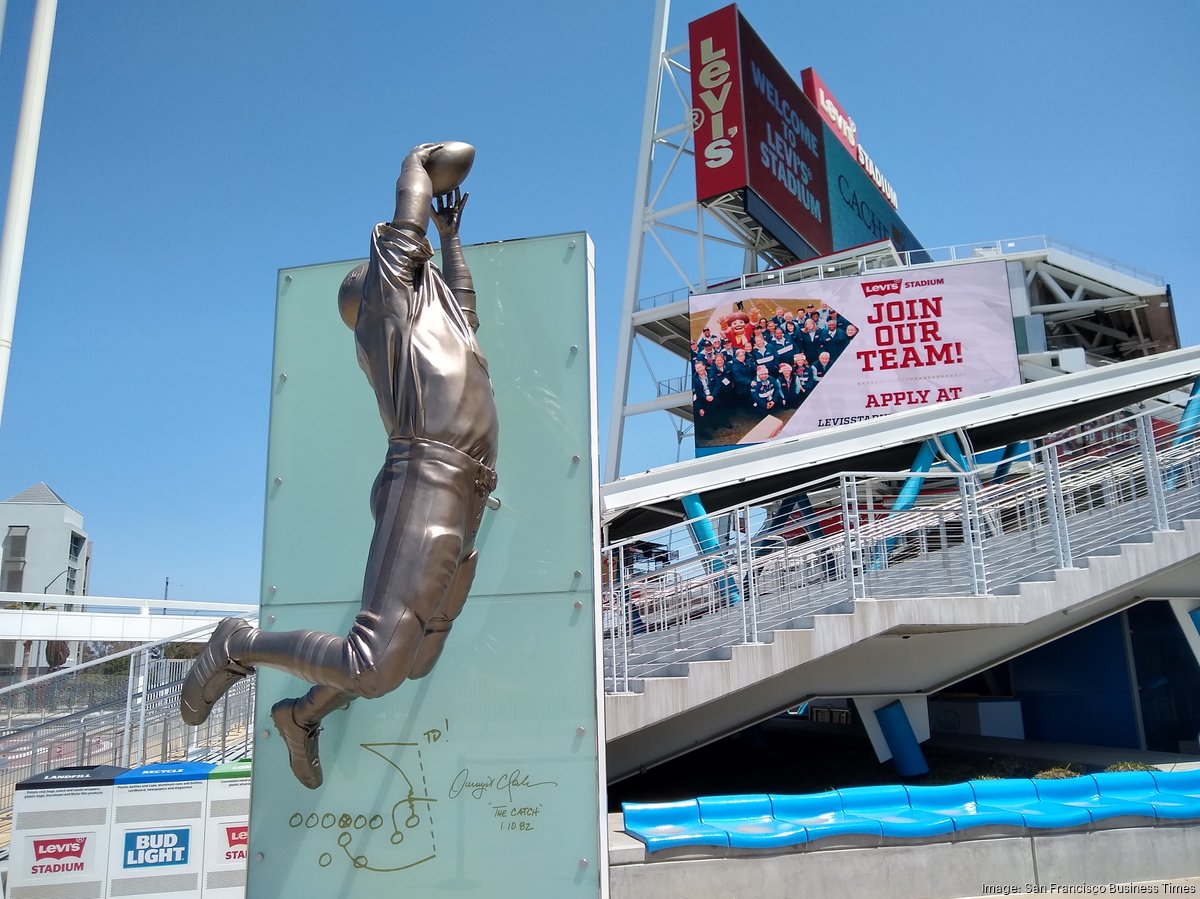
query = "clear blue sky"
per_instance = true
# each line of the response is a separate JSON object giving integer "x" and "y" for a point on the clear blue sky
{"x": 191, "y": 149}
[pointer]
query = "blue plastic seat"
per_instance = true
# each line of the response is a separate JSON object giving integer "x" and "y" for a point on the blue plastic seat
{"x": 665, "y": 825}
{"x": 1082, "y": 792}
{"x": 959, "y": 802}
{"x": 1021, "y": 795}
{"x": 750, "y": 822}
{"x": 822, "y": 816}
{"x": 890, "y": 807}
{"x": 1142, "y": 786}
{"x": 1186, "y": 783}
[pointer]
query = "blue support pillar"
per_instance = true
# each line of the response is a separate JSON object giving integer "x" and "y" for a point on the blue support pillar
{"x": 952, "y": 451}
{"x": 701, "y": 529}
{"x": 898, "y": 732}
{"x": 907, "y": 498}
{"x": 1185, "y": 431}
{"x": 1004, "y": 466}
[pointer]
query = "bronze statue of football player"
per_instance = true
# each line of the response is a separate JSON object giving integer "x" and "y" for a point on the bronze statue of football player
{"x": 414, "y": 327}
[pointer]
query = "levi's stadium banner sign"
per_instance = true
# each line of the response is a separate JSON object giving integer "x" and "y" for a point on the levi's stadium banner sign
{"x": 754, "y": 129}
{"x": 782, "y": 361}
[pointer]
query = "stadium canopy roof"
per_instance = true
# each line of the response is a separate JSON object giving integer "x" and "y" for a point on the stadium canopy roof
{"x": 639, "y": 503}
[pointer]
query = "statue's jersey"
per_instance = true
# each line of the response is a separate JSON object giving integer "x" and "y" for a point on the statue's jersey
{"x": 419, "y": 352}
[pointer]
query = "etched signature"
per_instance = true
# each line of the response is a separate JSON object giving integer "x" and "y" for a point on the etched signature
{"x": 506, "y": 782}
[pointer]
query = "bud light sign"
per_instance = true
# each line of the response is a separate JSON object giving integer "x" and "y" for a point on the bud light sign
{"x": 155, "y": 848}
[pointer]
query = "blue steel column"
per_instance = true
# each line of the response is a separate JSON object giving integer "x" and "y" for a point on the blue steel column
{"x": 701, "y": 529}
{"x": 1185, "y": 431}
{"x": 898, "y": 732}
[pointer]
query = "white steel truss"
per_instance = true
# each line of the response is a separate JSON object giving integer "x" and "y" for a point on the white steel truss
{"x": 667, "y": 216}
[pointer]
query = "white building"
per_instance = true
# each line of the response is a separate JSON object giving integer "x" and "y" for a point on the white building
{"x": 44, "y": 550}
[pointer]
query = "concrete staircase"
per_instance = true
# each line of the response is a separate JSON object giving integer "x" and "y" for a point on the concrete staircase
{"x": 889, "y": 647}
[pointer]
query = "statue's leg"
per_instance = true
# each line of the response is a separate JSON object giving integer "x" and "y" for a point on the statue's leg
{"x": 439, "y": 626}
{"x": 427, "y": 503}
{"x": 299, "y": 724}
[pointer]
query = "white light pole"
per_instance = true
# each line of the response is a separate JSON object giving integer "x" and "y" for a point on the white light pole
{"x": 20, "y": 188}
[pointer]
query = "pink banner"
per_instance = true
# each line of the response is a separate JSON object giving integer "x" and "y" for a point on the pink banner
{"x": 822, "y": 354}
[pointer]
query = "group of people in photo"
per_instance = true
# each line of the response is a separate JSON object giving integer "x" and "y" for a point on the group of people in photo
{"x": 746, "y": 363}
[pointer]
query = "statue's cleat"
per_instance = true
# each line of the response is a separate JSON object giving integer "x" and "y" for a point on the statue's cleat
{"x": 213, "y": 673}
{"x": 301, "y": 741}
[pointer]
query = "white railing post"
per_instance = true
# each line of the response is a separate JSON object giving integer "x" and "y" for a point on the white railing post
{"x": 626, "y": 611}
{"x": 143, "y": 687}
{"x": 973, "y": 534}
{"x": 1154, "y": 485}
{"x": 753, "y": 579}
{"x": 125, "y": 735}
{"x": 1056, "y": 510}
{"x": 745, "y": 569}
{"x": 852, "y": 539}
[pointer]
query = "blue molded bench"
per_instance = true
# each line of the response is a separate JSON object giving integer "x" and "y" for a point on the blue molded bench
{"x": 750, "y": 822}
{"x": 1021, "y": 795}
{"x": 663, "y": 825}
{"x": 822, "y": 816}
{"x": 1081, "y": 792}
{"x": 1143, "y": 786}
{"x": 959, "y": 802}
{"x": 1184, "y": 782}
{"x": 890, "y": 807}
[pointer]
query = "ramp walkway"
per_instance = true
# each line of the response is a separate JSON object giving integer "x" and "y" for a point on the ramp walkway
{"x": 1096, "y": 507}
{"x": 122, "y": 709}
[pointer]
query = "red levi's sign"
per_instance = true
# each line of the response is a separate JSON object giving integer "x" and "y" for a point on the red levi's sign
{"x": 754, "y": 128}
{"x": 880, "y": 288}
{"x": 59, "y": 848}
{"x": 717, "y": 118}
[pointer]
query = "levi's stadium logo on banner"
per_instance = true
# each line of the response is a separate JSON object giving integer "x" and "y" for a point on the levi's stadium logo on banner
{"x": 881, "y": 288}
{"x": 58, "y": 855}
{"x": 237, "y": 839}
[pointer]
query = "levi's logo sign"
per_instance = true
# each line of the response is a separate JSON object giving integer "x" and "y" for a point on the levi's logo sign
{"x": 238, "y": 839}
{"x": 59, "y": 848}
{"x": 59, "y": 855}
{"x": 880, "y": 288}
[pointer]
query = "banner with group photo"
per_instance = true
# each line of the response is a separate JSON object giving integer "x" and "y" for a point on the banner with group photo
{"x": 780, "y": 361}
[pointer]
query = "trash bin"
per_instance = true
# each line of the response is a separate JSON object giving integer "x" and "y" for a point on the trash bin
{"x": 60, "y": 833}
{"x": 227, "y": 831}
{"x": 157, "y": 842}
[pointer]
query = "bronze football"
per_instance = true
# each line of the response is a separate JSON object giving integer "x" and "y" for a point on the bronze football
{"x": 449, "y": 165}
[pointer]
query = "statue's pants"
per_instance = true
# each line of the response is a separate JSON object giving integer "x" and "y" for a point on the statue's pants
{"x": 427, "y": 501}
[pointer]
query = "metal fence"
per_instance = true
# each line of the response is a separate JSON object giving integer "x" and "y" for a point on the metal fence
{"x": 122, "y": 709}
{"x": 692, "y": 591}
{"x": 809, "y": 271}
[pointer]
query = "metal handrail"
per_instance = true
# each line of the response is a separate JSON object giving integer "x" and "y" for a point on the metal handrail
{"x": 104, "y": 660}
{"x": 963, "y": 537}
{"x": 816, "y": 271}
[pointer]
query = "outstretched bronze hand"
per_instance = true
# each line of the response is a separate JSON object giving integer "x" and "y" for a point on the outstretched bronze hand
{"x": 447, "y": 212}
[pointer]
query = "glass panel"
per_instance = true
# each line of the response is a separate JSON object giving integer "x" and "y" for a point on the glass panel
{"x": 481, "y": 779}
{"x": 18, "y": 536}
{"x": 14, "y": 576}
